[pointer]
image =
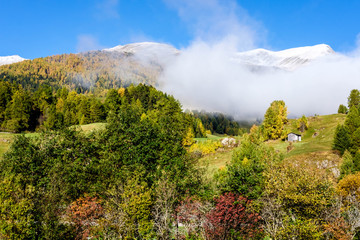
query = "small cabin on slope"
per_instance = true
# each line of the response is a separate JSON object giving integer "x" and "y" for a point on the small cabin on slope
{"x": 292, "y": 137}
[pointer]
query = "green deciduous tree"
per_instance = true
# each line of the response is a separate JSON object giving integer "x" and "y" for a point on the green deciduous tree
{"x": 16, "y": 210}
{"x": 245, "y": 173}
{"x": 342, "y": 109}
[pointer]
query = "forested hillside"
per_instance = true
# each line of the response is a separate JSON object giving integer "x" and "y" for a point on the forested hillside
{"x": 90, "y": 71}
{"x": 142, "y": 175}
{"x": 45, "y": 108}
{"x": 135, "y": 178}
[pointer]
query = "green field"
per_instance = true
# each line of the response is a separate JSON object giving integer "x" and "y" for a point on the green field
{"x": 315, "y": 145}
{"x": 92, "y": 126}
{"x": 316, "y": 141}
{"x": 6, "y": 138}
{"x": 317, "y": 138}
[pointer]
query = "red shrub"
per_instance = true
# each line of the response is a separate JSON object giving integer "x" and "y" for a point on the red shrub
{"x": 83, "y": 213}
{"x": 231, "y": 218}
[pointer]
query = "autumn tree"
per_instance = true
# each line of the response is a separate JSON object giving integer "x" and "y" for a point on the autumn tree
{"x": 274, "y": 120}
{"x": 349, "y": 189}
{"x": 84, "y": 213}
{"x": 302, "y": 123}
{"x": 300, "y": 200}
{"x": 232, "y": 219}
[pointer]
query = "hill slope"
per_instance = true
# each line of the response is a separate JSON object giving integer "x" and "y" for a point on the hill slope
{"x": 314, "y": 149}
{"x": 136, "y": 63}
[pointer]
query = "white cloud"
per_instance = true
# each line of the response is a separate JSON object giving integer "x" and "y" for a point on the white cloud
{"x": 204, "y": 77}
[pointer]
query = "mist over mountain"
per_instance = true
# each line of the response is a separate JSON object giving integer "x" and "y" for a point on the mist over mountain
{"x": 203, "y": 76}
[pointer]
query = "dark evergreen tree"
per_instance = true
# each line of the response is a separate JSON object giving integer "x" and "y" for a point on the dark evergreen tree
{"x": 352, "y": 121}
{"x": 354, "y": 98}
{"x": 355, "y": 141}
{"x": 97, "y": 111}
{"x": 18, "y": 112}
{"x": 341, "y": 139}
{"x": 112, "y": 101}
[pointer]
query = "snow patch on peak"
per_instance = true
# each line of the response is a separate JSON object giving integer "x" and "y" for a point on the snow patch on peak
{"x": 149, "y": 52}
{"x": 11, "y": 59}
{"x": 309, "y": 52}
{"x": 143, "y": 47}
{"x": 289, "y": 59}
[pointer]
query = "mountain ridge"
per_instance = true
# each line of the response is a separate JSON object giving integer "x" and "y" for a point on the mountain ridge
{"x": 136, "y": 63}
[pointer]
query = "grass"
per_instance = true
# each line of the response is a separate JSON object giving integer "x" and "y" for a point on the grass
{"x": 5, "y": 141}
{"x": 318, "y": 138}
{"x": 209, "y": 137}
{"x": 216, "y": 161}
{"x": 311, "y": 149}
{"x": 7, "y": 138}
{"x": 316, "y": 144}
{"x": 92, "y": 126}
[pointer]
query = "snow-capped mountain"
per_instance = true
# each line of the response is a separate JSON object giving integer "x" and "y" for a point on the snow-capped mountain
{"x": 10, "y": 59}
{"x": 289, "y": 59}
{"x": 257, "y": 59}
{"x": 149, "y": 51}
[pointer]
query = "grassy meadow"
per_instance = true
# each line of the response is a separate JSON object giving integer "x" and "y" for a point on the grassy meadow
{"x": 316, "y": 144}
{"x": 6, "y": 138}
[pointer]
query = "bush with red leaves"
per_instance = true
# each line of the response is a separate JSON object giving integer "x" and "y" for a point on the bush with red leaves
{"x": 232, "y": 219}
{"x": 83, "y": 213}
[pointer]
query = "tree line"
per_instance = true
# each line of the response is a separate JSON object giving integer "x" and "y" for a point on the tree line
{"x": 221, "y": 123}
{"x": 45, "y": 108}
{"x": 347, "y": 135}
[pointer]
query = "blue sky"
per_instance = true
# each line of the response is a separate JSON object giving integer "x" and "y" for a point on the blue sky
{"x": 39, "y": 28}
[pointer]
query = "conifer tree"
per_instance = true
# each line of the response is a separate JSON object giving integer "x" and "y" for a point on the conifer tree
{"x": 352, "y": 120}
{"x": 354, "y": 98}
{"x": 17, "y": 115}
{"x": 341, "y": 139}
{"x": 347, "y": 166}
{"x": 355, "y": 141}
